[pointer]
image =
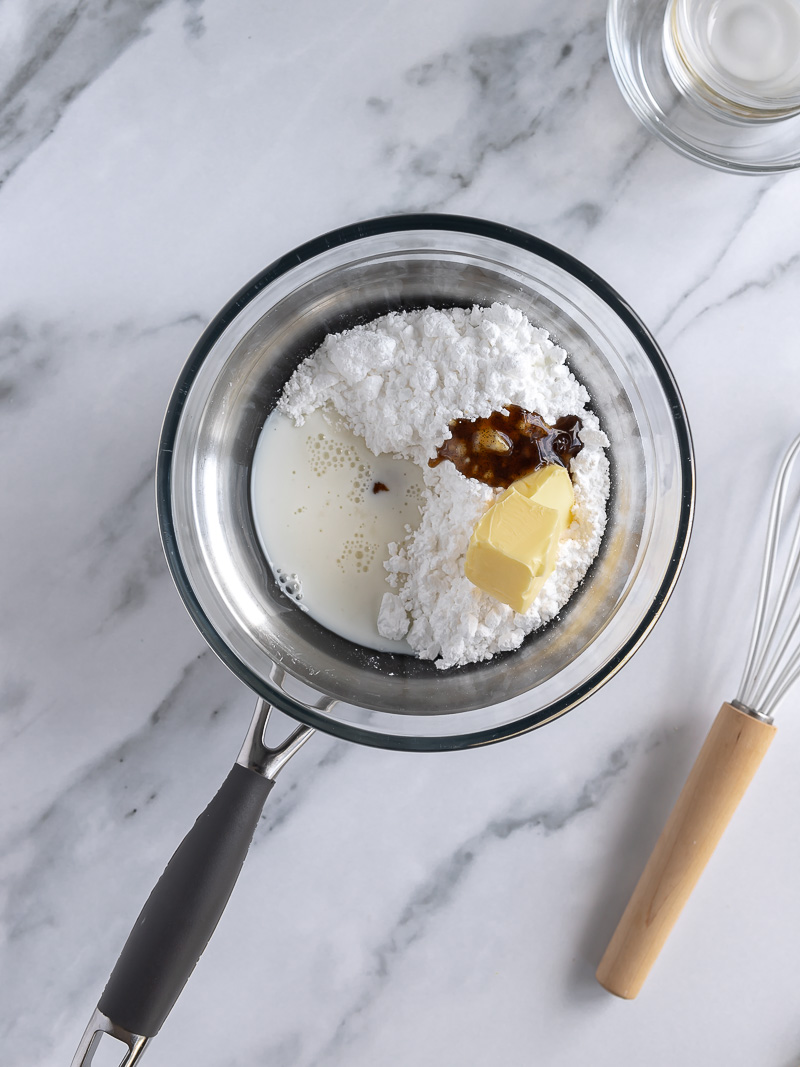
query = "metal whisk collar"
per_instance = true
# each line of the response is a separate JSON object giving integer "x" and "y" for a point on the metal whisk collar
{"x": 773, "y": 659}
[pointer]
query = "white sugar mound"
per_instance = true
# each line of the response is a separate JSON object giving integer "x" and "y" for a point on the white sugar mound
{"x": 398, "y": 382}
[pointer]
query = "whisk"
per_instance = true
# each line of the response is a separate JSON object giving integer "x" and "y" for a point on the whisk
{"x": 732, "y": 752}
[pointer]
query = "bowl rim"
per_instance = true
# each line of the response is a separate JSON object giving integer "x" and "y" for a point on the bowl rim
{"x": 310, "y": 250}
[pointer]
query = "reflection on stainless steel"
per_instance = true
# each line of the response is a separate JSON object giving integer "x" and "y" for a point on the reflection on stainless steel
{"x": 256, "y": 755}
{"x": 100, "y": 1025}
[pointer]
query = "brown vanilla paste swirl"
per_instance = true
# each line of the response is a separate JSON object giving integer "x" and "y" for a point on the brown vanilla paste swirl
{"x": 508, "y": 445}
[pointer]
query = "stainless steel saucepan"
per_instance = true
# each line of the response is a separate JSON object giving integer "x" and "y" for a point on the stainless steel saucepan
{"x": 225, "y": 392}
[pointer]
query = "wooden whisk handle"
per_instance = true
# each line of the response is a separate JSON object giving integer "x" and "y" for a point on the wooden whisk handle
{"x": 730, "y": 756}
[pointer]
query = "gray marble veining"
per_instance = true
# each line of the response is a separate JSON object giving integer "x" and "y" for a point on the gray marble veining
{"x": 59, "y": 49}
{"x": 445, "y": 881}
{"x": 395, "y": 908}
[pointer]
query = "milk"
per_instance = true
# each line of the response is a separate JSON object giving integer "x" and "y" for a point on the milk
{"x": 325, "y": 510}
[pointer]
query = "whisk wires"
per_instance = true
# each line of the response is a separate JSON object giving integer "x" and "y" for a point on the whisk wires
{"x": 773, "y": 659}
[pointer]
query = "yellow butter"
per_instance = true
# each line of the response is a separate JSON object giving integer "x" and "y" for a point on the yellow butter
{"x": 510, "y": 550}
{"x": 513, "y": 548}
{"x": 550, "y": 486}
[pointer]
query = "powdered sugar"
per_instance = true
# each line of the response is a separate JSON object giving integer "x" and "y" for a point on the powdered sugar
{"x": 398, "y": 382}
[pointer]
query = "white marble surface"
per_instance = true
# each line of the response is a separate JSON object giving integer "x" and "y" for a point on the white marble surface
{"x": 395, "y": 909}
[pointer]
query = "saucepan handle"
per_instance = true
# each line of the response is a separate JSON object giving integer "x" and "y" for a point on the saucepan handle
{"x": 182, "y": 912}
{"x": 184, "y": 908}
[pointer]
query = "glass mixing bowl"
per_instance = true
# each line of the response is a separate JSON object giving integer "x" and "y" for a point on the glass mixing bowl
{"x": 232, "y": 381}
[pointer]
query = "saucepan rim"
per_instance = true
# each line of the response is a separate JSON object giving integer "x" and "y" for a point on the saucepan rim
{"x": 317, "y": 717}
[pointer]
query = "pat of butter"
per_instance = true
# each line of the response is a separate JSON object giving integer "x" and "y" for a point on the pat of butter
{"x": 510, "y": 548}
{"x": 513, "y": 549}
{"x": 550, "y": 486}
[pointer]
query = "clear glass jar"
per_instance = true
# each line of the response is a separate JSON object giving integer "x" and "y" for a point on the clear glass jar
{"x": 738, "y": 55}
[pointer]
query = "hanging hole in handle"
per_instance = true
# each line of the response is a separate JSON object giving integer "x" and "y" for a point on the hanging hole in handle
{"x": 93, "y": 1051}
{"x": 106, "y": 1052}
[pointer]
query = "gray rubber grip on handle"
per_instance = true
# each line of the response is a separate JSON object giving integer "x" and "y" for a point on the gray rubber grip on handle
{"x": 184, "y": 908}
